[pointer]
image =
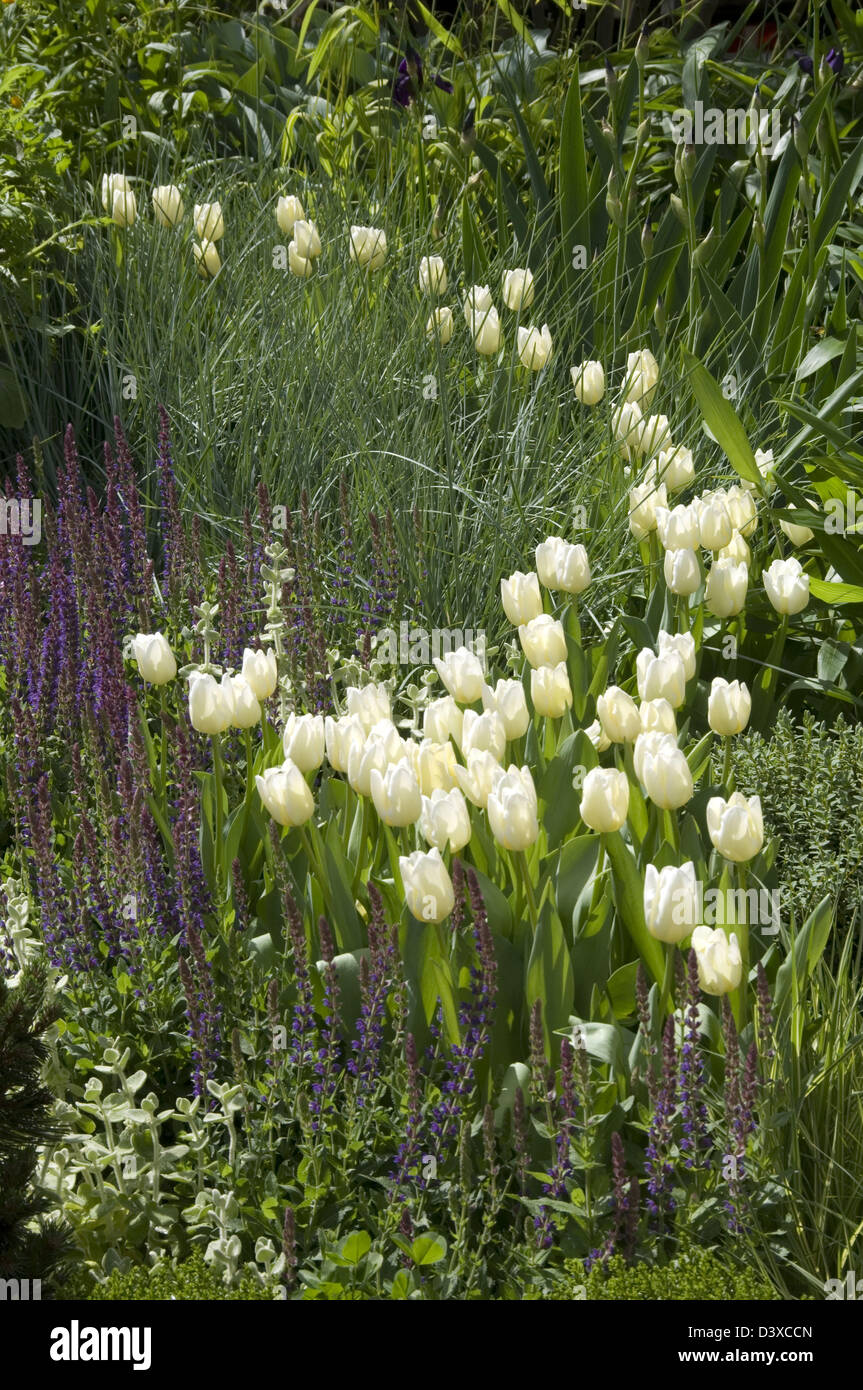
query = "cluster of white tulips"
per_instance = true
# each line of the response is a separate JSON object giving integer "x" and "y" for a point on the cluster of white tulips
{"x": 482, "y": 316}
{"x": 367, "y": 245}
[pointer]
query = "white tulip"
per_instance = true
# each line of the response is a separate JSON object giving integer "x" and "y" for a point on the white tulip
{"x": 246, "y": 710}
{"x": 671, "y": 901}
{"x": 155, "y": 660}
{"x": 550, "y": 690}
{"x": 657, "y": 717}
{"x": 642, "y": 374}
{"x": 370, "y": 703}
{"x": 207, "y": 259}
{"x": 124, "y": 208}
{"x": 729, "y": 706}
{"x": 289, "y": 210}
{"x": 445, "y": 821}
{"x": 478, "y": 778}
{"x": 534, "y": 347}
{"x": 518, "y": 289}
{"x": 618, "y": 715}
{"x": 714, "y": 522}
{"x": 433, "y": 278}
{"x": 383, "y": 746}
{"x": 477, "y": 302}
{"x": 604, "y": 799}
{"x": 434, "y": 765}
{"x": 396, "y": 794}
{"x": 440, "y": 324}
{"x": 678, "y": 527}
{"x": 740, "y": 506}
{"x": 655, "y": 435}
{"x": 798, "y": 535}
{"x": 285, "y": 794}
{"x": 512, "y": 812}
{"x": 442, "y": 720}
{"x": 736, "y": 826}
{"x": 111, "y": 185}
{"x": 562, "y": 566}
{"x": 644, "y": 501}
{"x": 521, "y": 597}
{"x": 736, "y": 550}
{"x": 509, "y": 702}
{"x": 764, "y": 461}
{"x": 661, "y": 677}
{"x": 684, "y": 644}
{"x": 301, "y": 266}
{"x": 167, "y": 204}
{"x": 483, "y": 732}
{"x": 260, "y": 671}
{"x": 675, "y": 467}
{"x": 486, "y": 332}
{"x": 368, "y": 247}
{"x": 662, "y": 770}
{"x": 306, "y": 239}
{"x": 210, "y": 704}
{"x": 720, "y": 964}
{"x": 588, "y": 380}
{"x": 598, "y": 736}
{"x": 627, "y": 423}
{"x": 209, "y": 223}
{"x": 682, "y": 571}
{"x": 340, "y": 736}
{"x": 543, "y": 640}
{"x": 727, "y": 583}
{"x": 303, "y": 741}
{"x": 787, "y": 586}
{"x": 428, "y": 887}
{"x": 462, "y": 674}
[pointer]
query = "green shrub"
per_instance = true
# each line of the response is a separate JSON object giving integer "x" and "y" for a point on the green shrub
{"x": 190, "y": 1280}
{"x": 699, "y": 1274}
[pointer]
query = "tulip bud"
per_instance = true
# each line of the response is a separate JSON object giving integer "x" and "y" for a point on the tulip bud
{"x": 714, "y": 522}
{"x": 168, "y": 204}
{"x": 124, "y": 208}
{"x": 562, "y": 566}
{"x": 679, "y": 210}
{"x": 671, "y": 902}
{"x": 440, "y": 323}
{"x": 683, "y": 643}
{"x": 543, "y": 641}
{"x": 729, "y": 706}
{"x": 111, "y": 185}
{"x": 289, "y": 210}
{"x": 370, "y": 703}
{"x": 341, "y": 735}
{"x": 484, "y": 732}
{"x": 677, "y": 527}
{"x": 662, "y": 770}
{"x": 428, "y": 887}
{"x": 478, "y": 779}
{"x": 740, "y": 505}
{"x": 442, "y": 720}
{"x": 155, "y": 660}
{"x": 687, "y": 162}
{"x": 534, "y": 347}
{"x": 550, "y": 690}
{"x": 518, "y": 289}
{"x": 520, "y": 597}
{"x": 646, "y": 240}
{"x": 787, "y": 586}
{"x": 727, "y": 583}
{"x": 210, "y": 704}
{"x": 618, "y": 715}
{"x": 642, "y": 374}
{"x": 260, "y": 671}
{"x": 588, "y": 381}
{"x": 209, "y": 223}
{"x": 798, "y": 535}
{"x": 368, "y": 247}
{"x": 434, "y": 765}
{"x": 735, "y": 826}
{"x": 462, "y": 674}
{"x": 486, "y": 332}
{"x": 675, "y": 467}
{"x": 627, "y": 423}
{"x": 396, "y": 794}
{"x": 512, "y": 810}
{"x": 509, "y": 703}
{"x": 306, "y": 239}
{"x": 246, "y": 710}
{"x": 285, "y": 794}
{"x": 604, "y": 799}
{"x": 303, "y": 741}
{"x": 207, "y": 259}
{"x": 801, "y": 140}
{"x": 703, "y": 250}
{"x": 445, "y": 822}
{"x": 301, "y": 266}
{"x": 682, "y": 572}
{"x": 657, "y": 717}
{"x": 661, "y": 677}
{"x": 720, "y": 964}
{"x": 432, "y": 274}
{"x": 644, "y": 501}
{"x": 383, "y": 746}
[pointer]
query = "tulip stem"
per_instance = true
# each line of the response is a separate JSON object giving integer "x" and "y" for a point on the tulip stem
{"x": 726, "y": 765}
{"x": 667, "y": 981}
{"x": 218, "y": 832}
{"x": 524, "y": 872}
{"x": 670, "y": 829}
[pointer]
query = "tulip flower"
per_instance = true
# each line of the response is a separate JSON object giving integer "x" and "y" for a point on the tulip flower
{"x": 483, "y": 732}
{"x": 662, "y": 770}
{"x": 534, "y": 347}
{"x": 382, "y": 747}
{"x": 440, "y": 324}
{"x": 661, "y": 677}
{"x": 340, "y": 736}
{"x": 604, "y": 799}
{"x": 445, "y": 821}
{"x": 512, "y": 812}
{"x": 715, "y": 526}
{"x": 478, "y": 779}
{"x": 626, "y": 424}
{"x": 671, "y": 901}
{"x": 477, "y": 302}
{"x": 486, "y": 332}
{"x": 798, "y": 535}
{"x": 443, "y": 720}
{"x": 588, "y": 382}
{"x": 111, "y": 185}
{"x": 370, "y": 703}
{"x": 682, "y": 571}
{"x": 598, "y": 736}
{"x": 433, "y": 278}
{"x": 727, "y": 583}
{"x": 655, "y": 435}
{"x": 642, "y": 374}
{"x": 729, "y": 706}
{"x": 210, "y": 704}
{"x": 209, "y": 223}
{"x": 156, "y": 662}
{"x": 167, "y": 204}
{"x": 644, "y": 501}
{"x": 520, "y": 597}
{"x": 550, "y": 690}
{"x": 428, "y": 887}
{"x": 618, "y": 715}
{"x": 684, "y": 644}
{"x": 285, "y": 794}
{"x": 720, "y": 964}
{"x": 396, "y": 794}
{"x": 303, "y": 741}
{"x": 562, "y": 566}
{"x": 289, "y": 210}
{"x": 657, "y": 717}
{"x": 462, "y": 674}
{"x": 675, "y": 467}
{"x": 207, "y": 259}
{"x": 736, "y": 550}
{"x": 543, "y": 640}
{"x": 246, "y": 710}
{"x": 787, "y": 586}
{"x": 764, "y": 461}
{"x": 518, "y": 289}
{"x": 301, "y": 266}
{"x": 740, "y": 506}
{"x": 508, "y": 701}
{"x": 434, "y": 765}
{"x": 368, "y": 247}
{"x": 677, "y": 527}
{"x": 124, "y": 208}
{"x": 736, "y": 826}
{"x": 306, "y": 239}
{"x": 259, "y": 669}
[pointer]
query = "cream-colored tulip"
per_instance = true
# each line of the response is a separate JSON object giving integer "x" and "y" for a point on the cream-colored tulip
{"x": 521, "y": 597}
{"x": 682, "y": 571}
{"x": 729, "y": 706}
{"x": 462, "y": 674}
{"x": 442, "y": 720}
{"x": 562, "y": 566}
{"x": 720, "y": 963}
{"x": 167, "y": 204}
{"x": 543, "y": 640}
{"x": 477, "y": 302}
{"x": 428, "y": 887}
{"x": 657, "y": 717}
{"x": 340, "y": 736}
{"x": 684, "y": 644}
{"x": 207, "y": 259}
{"x": 764, "y": 462}
{"x": 662, "y": 770}
{"x": 518, "y": 289}
{"x": 301, "y": 266}
{"x": 661, "y": 677}
{"x": 627, "y": 423}
{"x": 396, "y": 794}
{"x": 289, "y": 211}
{"x": 644, "y": 501}
{"x": 671, "y": 901}
{"x": 715, "y": 526}
{"x": 433, "y": 277}
{"x": 736, "y": 550}
{"x": 445, "y": 820}
{"x": 786, "y": 585}
{"x": 370, "y": 703}
{"x": 642, "y": 374}
{"x": 434, "y": 765}
{"x": 246, "y": 710}
{"x": 285, "y": 794}
{"x": 588, "y": 380}
{"x": 261, "y": 672}
{"x": 478, "y": 778}
{"x": 303, "y": 740}
{"x": 111, "y": 185}
{"x": 740, "y": 506}
{"x": 655, "y": 435}
{"x": 209, "y": 223}
{"x": 306, "y": 239}
{"x": 604, "y": 799}
{"x": 677, "y": 527}
{"x": 155, "y": 660}
{"x": 727, "y": 583}
{"x": 534, "y": 347}
{"x": 486, "y": 332}
{"x": 124, "y": 208}
{"x": 550, "y": 690}
{"x": 512, "y": 813}
{"x": 383, "y": 747}
{"x": 509, "y": 703}
{"x": 440, "y": 324}
{"x": 798, "y": 535}
{"x": 675, "y": 467}
{"x": 483, "y": 732}
{"x": 210, "y": 704}
{"x": 598, "y": 736}
{"x": 736, "y": 826}
{"x": 368, "y": 247}
{"x": 618, "y": 715}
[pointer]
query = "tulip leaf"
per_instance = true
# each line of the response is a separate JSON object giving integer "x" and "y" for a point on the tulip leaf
{"x": 721, "y": 420}
{"x": 830, "y": 592}
{"x": 621, "y": 990}
{"x": 576, "y": 867}
{"x": 806, "y": 950}
{"x": 557, "y": 790}
{"x": 629, "y": 899}
{"x": 549, "y": 975}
